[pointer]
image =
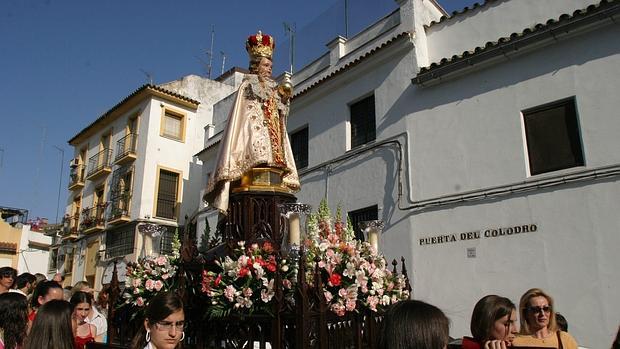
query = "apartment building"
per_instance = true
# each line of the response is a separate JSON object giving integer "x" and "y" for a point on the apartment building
{"x": 134, "y": 177}
{"x": 486, "y": 141}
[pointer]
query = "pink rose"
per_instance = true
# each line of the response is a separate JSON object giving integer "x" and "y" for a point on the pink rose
{"x": 140, "y": 302}
{"x": 158, "y": 285}
{"x": 149, "y": 284}
{"x": 161, "y": 260}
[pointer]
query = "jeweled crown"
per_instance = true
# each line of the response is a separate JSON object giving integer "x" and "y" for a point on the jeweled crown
{"x": 260, "y": 45}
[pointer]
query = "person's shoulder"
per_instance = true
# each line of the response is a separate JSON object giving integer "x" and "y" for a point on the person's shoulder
{"x": 524, "y": 340}
{"x": 568, "y": 341}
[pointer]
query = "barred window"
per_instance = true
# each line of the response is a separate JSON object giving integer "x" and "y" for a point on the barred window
{"x": 363, "y": 128}
{"x": 167, "y": 194}
{"x": 120, "y": 242}
{"x": 552, "y": 136}
{"x": 363, "y": 214}
{"x": 299, "y": 145}
{"x": 165, "y": 246}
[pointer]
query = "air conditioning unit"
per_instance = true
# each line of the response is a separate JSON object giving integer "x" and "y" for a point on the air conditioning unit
{"x": 74, "y": 162}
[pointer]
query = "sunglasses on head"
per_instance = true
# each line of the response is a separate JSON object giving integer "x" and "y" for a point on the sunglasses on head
{"x": 537, "y": 310}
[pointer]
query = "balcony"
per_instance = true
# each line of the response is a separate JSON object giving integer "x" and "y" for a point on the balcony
{"x": 70, "y": 227}
{"x": 126, "y": 149}
{"x": 119, "y": 210}
{"x": 76, "y": 177}
{"x": 99, "y": 164}
{"x": 93, "y": 219}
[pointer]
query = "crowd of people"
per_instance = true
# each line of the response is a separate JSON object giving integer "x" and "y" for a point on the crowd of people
{"x": 36, "y": 312}
{"x": 414, "y": 324}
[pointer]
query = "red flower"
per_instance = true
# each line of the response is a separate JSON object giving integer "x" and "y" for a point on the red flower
{"x": 243, "y": 272}
{"x": 335, "y": 279}
{"x": 217, "y": 280}
{"x": 268, "y": 247}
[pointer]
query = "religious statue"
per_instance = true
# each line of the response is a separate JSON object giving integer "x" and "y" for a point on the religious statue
{"x": 255, "y": 152}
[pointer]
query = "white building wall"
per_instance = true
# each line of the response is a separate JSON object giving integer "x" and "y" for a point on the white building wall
{"x": 466, "y": 134}
{"x": 33, "y": 252}
{"x": 492, "y": 21}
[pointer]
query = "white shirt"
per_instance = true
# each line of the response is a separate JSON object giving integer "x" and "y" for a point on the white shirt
{"x": 99, "y": 321}
{"x": 17, "y": 290}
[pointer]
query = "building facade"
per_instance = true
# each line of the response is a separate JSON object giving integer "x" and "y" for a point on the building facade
{"x": 132, "y": 177}
{"x": 486, "y": 143}
{"x": 23, "y": 246}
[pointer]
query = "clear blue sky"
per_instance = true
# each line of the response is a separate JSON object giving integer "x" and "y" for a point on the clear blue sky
{"x": 63, "y": 63}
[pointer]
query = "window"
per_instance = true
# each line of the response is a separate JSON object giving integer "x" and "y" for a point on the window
{"x": 53, "y": 262}
{"x": 165, "y": 246}
{"x": 370, "y": 213}
{"x": 552, "y": 136}
{"x": 167, "y": 194}
{"x": 299, "y": 145}
{"x": 363, "y": 129}
{"x": 173, "y": 125}
{"x": 120, "y": 242}
{"x": 120, "y": 192}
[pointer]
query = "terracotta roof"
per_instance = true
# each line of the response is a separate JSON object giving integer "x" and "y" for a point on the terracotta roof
{"x": 147, "y": 87}
{"x": 457, "y": 13}
{"x": 516, "y": 41}
{"x": 8, "y": 247}
{"x": 353, "y": 63}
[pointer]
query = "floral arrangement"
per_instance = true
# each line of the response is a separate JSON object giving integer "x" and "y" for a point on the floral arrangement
{"x": 245, "y": 282}
{"x": 352, "y": 270}
{"x": 151, "y": 275}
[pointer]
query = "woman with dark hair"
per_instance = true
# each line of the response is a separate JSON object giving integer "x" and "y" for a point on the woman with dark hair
{"x": 163, "y": 324}
{"x": 13, "y": 320}
{"x": 414, "y": 324}
{"x": 7, "y": 279}
{"x": 84, "y": 332}
{"x": 44, "y": 292}
{"x": 538, "y": 325}
{"x": 493, "y": 324}
{"x": 52, "y": 327}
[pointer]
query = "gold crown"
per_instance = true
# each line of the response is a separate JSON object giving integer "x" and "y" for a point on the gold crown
{"x": 260, "y": 45}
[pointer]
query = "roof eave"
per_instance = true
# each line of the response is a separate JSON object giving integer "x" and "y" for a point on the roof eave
{"x": 130, "y": 101}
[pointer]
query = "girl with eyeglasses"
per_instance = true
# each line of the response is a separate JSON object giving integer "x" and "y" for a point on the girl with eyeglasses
{"x": 163, "y": 324}
{"x": 538, "y": 326}
{"x": 493, "y": 324}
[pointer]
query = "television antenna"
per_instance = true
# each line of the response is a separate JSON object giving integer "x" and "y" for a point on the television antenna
{"x": 149, "y": 77}
{"x": 289, "y": 30}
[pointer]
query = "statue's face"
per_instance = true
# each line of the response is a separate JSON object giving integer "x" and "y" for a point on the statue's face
{"x": 264, "y": 67}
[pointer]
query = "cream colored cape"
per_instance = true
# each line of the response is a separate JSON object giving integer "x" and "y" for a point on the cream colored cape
{"x": 246, "y": 144}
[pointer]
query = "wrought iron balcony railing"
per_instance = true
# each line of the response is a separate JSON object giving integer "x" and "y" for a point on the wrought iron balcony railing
{"x": 71, "y": 225}
{"x": 99, "y": 163}
{"x": 119, "y": 209}
{"x": 126, "y": 148}
{"x": 76, "y": 177}
{"x": 93, "y": 218}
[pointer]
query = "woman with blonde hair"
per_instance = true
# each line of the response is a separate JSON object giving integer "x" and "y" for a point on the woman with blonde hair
{"x": 538, "y": 325}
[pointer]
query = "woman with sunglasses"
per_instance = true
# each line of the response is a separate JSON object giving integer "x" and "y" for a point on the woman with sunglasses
{"x": 538, "y": 326}
{"x": 163, "y": 324}
{"x": 493, "y": 324}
